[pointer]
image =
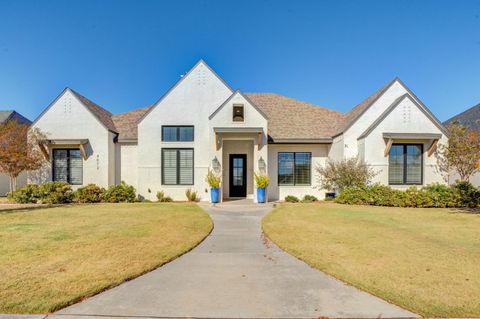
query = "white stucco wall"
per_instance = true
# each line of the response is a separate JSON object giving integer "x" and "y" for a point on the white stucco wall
{"x": 126, "y": 164}
{"x": 67, "y": 118}
{"x": 190, "y": 102}
{"x": 319, "y": 156}
{"x": 5, "y": 182}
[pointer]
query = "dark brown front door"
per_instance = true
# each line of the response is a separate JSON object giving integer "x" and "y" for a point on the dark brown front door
{"x": 238, "y": 175}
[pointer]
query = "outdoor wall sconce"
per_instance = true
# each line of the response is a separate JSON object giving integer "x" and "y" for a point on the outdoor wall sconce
{"x": 216, "y": 165}
{"x": 261, "y": 164}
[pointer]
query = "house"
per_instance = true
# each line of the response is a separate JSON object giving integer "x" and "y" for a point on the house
{"x": 6, "y": 116}
{"x": 471, "y": 119}
{"x": 201, "y": 123}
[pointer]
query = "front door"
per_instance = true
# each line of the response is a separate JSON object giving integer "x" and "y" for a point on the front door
{"x": 238, "y": 175}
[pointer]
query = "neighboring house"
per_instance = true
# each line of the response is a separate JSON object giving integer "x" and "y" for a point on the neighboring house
{"x": 201, "y": 124}
{"x": 5, "y": 116}
{"x": 471, "y": 119}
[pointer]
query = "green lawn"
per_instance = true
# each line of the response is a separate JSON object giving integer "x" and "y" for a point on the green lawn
{"x": 53, "y": 257}
{"x": 425, "y": 260}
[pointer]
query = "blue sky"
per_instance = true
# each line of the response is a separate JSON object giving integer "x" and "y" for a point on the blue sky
{"x": 127, "y": 54}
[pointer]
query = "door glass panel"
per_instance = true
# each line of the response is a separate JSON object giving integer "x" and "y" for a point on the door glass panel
{"x": 238, "y": 172}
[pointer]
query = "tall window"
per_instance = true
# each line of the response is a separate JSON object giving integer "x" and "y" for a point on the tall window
{"x": 177, "y": 166}
{"x": 405, "y": 164}
{"x": 177, "y": 133}
{"x": 67, "y": 166}
{"x": 294, "y": 168}
{"x": 238, "y": 115}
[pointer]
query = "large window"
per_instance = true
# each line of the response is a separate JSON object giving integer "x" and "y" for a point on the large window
{"x": 405, "y": 164}
{"x": 177, "y": 133}
{"x": 177, "y": 166}
{"x": 67, "y": 166}
{"x": 294, "y": 168}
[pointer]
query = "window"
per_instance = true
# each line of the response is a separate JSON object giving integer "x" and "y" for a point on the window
{"x": 405, "y": 164}
{"x": 238, "y": 113}
{"x": 177, "y": 133}
{"x": 294, "y": 168}
{"x": 67, "y": 166}
{"x": 177, "y": 166}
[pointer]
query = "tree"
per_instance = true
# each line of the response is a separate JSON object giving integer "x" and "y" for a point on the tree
{"x": 349, "y": 172}
{"x": 19, "y": 150}
{"x": 462, "y": 153}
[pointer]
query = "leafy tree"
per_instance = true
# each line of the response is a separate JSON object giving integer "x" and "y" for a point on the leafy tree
{"x": 350, "y": 172}
{"x": 462, "y": 153}
{"x": 19, "y": 150}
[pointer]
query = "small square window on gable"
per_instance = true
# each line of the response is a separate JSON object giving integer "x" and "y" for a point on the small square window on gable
{"x": 238, "y": 113}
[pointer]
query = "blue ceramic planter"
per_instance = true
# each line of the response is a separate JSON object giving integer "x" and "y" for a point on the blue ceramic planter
{"x": 214, "y": 195}
{"x": 261, "y": 195}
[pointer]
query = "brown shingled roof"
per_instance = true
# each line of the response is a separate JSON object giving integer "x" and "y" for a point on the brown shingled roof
{"x": 104, "y": 116}
{"x": 126, "y": 123}
{"x": 292, "y": 119}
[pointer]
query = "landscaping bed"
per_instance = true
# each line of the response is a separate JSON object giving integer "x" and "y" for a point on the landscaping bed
{"x": 423, "y": 259}
{"x": 53, "y": 257}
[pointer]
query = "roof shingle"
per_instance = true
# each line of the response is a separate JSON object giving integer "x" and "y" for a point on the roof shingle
{"x": 469, "y": 118}
{"x": 292, "y": 119}
{"x": 126, "y": 123}
{"x": 104, "y": 116}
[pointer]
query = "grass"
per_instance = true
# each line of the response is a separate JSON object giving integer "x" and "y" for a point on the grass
{"x": 425, "y": 260}
{"x": 53, "y": 257}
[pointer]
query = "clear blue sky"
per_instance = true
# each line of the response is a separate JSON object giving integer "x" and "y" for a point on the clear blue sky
{"x": 127, "y": 54}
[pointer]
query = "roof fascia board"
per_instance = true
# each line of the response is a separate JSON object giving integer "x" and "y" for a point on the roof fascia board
{"x": 154, "y": 106}
{"x": 75, "y": 94}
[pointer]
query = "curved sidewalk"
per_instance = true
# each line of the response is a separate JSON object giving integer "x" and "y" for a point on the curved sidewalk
{"x": 235, "y": 273}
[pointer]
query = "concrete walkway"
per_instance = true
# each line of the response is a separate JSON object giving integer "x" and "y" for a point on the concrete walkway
{"x": 235, "y": 273}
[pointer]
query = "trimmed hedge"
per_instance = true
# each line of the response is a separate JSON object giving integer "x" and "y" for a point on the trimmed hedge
{"x": 462, "y": 194}
{"x": 122, "y": 193}
{"x": 89, "y": 194}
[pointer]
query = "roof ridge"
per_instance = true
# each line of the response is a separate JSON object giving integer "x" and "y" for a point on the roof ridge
{"x": 133, "y": 110}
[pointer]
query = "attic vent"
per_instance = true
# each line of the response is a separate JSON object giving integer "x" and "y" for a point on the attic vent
{"x": 67, "y": 104}
{"x": 407, "y": 114}
{"x": 201, "y": 76}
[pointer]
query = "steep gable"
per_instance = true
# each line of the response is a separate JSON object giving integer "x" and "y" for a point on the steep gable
{"x": 103, "y": 116}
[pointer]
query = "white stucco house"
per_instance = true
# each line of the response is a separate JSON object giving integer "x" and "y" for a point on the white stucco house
{"x": 5, "y": 116}
{"x": 201, "y": 123}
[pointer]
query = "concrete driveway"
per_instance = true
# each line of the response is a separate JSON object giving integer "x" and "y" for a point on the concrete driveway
{"x": 235, "y": 273}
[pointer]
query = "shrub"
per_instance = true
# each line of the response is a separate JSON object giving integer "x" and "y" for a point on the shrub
{"x": 121, "y": 193}
{"x": 291, "y": 199}
{"x": 467, "y": 194}
{"x": 162, "y": 198}
{"x": 25, "y": 195}
{"x": 55, "y": 193}
{"x": 213, "y": 179}
{"x": 89, "y": 194}
{"x": 192, "y": 195}
{"x": 349, "y": 172}
{"x": 262, "y": 180}
{"x": 309, "y": 199}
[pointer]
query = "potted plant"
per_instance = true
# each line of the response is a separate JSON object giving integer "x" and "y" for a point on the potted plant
{"x": 262, "y": 182}
{"x": 213, "y": 181}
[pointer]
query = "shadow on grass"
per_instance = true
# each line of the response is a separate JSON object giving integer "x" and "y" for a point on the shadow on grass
{"x": 8, "y": 210}
{"x": 465, "y": 210}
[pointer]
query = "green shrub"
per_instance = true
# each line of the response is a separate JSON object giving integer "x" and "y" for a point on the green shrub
{"x": 89, "y": 194}
{"x": 25, "y": 195}
{"x": 192, "y": 195}
{"x": 434, "y": 195}
{"x": 309, "y": 199}
{"x": 162, "y": 198}
{"x": 122, "y": 193}
{"x": 291, "y": 199}
{"x": 55, "y": 193}
{"x": 467, "y": 194}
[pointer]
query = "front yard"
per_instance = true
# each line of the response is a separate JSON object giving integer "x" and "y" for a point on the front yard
{"x": 425, "y": 260}
{"x": 53, "y": 257}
